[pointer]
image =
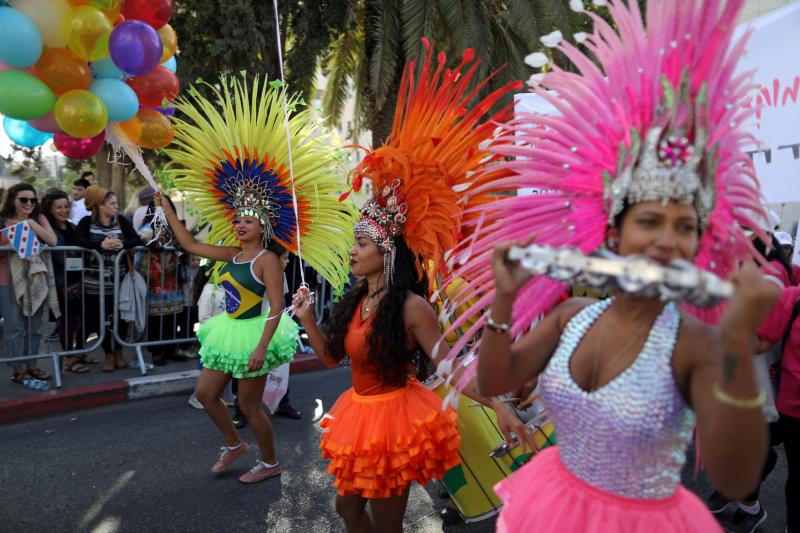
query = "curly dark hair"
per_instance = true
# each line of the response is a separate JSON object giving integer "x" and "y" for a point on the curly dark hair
{"x": 7, "y": 209}
{"x": 47, "y": 202}
{"x": 389, "y": 354}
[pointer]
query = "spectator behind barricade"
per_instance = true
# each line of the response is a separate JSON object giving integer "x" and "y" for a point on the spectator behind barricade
{"x": 210, "y": 300}
{"x": 192, "y": 282}
{"x": 779, "y": 267}
{"x": 78, "y": 208}
{"x": 56, "y": 207}
{"x": 146, "y": 194}
{"x": 162, "y": 271}
{"x": 25, "y": 283}
{"x": 108, "y": 232}
{"x": 787, "y": 247}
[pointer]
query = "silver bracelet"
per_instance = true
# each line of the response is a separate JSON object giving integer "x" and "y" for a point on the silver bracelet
{"x": 494, "y": 326}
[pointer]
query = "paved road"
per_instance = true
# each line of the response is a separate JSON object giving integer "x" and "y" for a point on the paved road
{"x": 143, "y": 467}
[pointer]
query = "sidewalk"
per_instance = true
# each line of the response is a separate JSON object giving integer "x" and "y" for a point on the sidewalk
{"x": 96, "y": 388}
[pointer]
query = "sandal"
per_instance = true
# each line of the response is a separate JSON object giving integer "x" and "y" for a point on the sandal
{"x": 75, "y": 366}
{"x": 86, "y": 360}
{"x": 39, "y": 374}
{"x": 21, "y": 377}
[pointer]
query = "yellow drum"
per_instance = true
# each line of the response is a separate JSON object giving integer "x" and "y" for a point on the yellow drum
{"x": 470, "y": 484}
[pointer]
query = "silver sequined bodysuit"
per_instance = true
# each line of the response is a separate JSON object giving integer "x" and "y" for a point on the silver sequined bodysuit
{"x": 629, "y": 437}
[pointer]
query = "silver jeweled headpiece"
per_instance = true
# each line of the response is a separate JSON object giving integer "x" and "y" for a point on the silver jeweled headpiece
{"x": 383, "y": 219}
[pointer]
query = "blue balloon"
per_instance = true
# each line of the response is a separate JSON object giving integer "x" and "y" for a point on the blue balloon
{"x": 120, "y": 100}
{"x": 20, "y": 40}
{"x": 171, "y": 64}
{"x": 23, "y": 134}
{"x": 106, "y": 69}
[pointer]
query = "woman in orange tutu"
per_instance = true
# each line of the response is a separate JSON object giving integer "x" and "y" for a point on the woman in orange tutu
{"x": 388, "y": 430}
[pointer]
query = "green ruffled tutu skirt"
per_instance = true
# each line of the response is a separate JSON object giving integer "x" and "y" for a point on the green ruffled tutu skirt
{"x": 226, "y": 344}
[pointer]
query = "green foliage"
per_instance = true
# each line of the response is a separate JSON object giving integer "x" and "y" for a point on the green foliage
{"x": 380, "y": 35}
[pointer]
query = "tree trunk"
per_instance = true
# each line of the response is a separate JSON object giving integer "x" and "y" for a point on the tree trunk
{"x": 103, "y": 167}
{"x": 118, "y": 184}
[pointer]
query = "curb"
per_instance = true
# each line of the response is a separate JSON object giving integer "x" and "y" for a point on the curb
{"x": 58, "y": 401}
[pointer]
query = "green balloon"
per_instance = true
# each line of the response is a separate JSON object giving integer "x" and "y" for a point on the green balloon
{"x": 24, "y": 96}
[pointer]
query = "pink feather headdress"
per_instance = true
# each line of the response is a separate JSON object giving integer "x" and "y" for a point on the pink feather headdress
{"x": 656, "y": 115}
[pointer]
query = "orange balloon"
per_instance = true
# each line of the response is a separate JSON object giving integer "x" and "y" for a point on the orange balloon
{"x": 62, "y": 70}
{"x": 170, "y": 41}
{"x": 120, "y": 20}
{"x": 149, "y": 129}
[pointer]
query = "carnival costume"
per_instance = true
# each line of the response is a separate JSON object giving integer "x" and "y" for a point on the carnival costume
{"x": 651, "y": 115}
{"x": 237, "y": 162}
{"x": 380, "y": 437}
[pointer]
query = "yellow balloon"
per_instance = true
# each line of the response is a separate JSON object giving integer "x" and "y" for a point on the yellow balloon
{"x": 110, "y": 8}
{"x": 170, "y": 41}
{"x": 47, "y": 15}
{"x": 86, "y": 31}
{"x": 81, "y": 114}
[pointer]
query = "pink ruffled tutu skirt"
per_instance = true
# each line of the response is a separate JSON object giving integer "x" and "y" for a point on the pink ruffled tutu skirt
{"x": 543, "y": 496}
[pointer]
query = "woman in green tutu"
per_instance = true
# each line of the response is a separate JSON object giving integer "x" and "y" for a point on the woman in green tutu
{"x": 254, "y": 187}
{"x": 243, "y": 342}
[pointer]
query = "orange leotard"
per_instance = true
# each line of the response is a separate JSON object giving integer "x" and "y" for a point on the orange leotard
{"x": 365, "y": 380}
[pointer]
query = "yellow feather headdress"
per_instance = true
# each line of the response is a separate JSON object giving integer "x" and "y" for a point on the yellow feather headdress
{"x": 231, "y": 158}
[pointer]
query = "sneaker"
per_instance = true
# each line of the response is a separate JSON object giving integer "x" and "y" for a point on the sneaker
{"x": 260, "y": 472}
{"x": 54, "y": 337}
{"x": 238, "y": 418}
{"x": 717, "y": 503}
{"x": 194, "y": 402}
{"x": 228, "y": 456}
{"x": 743, "y": 522}
{"x": 286, "y": 410}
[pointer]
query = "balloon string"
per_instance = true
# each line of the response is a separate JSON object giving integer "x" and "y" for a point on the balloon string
{"x": 288, "y": 139}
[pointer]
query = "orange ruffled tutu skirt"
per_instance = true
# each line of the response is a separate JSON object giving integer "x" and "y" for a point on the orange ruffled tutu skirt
{"x": 378, "y": 445}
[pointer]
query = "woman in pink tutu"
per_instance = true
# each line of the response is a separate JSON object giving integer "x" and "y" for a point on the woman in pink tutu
{"x": 645, "y": 157}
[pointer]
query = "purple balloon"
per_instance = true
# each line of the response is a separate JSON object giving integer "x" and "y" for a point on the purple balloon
{"x": 168, "y": 111}
{"x": 135, "y": 47}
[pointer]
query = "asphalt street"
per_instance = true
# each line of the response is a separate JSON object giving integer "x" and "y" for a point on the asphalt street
{"x": 143, "y": 467}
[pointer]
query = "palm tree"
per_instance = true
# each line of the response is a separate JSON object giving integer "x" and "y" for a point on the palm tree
{"x": 367, "y": 58}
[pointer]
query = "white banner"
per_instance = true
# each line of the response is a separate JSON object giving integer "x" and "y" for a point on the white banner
{"x": 771, "y": 50}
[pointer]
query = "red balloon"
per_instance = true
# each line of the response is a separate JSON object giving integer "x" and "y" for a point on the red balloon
{"x": 78, "y": 148}
{"x": 154, "y": 12}
{"x": 156, "y": 86}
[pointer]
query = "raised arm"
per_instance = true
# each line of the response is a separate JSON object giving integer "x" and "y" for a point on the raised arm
{"x": 503, "y": 365}
{"x": 304, "y": 310}
{"x": 187, "y": 240}
{"x": 43, "y": 230}
{"x": 724, "y": 393}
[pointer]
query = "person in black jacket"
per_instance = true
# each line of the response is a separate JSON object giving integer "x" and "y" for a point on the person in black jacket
{"x": 69, "y": 288}
{"x": 107, "y": 232}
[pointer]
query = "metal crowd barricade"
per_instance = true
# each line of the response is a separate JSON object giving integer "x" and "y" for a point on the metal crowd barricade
{"x": 72, "y": 289}
{"x": 158, "y": 281}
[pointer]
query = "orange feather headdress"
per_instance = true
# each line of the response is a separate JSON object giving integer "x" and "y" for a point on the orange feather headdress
{"x": 425, "y": 173}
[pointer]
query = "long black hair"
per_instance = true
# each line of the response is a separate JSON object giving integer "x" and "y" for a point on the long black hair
{"x": 389, "y": 354}
{"x": 775, "y": 254}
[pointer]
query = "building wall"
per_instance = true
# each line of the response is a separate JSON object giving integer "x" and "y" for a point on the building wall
{"x": 756, "y": 8}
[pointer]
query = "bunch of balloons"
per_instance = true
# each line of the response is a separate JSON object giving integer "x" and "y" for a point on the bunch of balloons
{"x": 68, "y": 68}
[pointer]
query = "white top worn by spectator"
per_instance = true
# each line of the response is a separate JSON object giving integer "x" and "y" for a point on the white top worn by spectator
{"x": 77, "y": 211}
{"x": 210, "y": 303}
{"x": 138, "y": 217}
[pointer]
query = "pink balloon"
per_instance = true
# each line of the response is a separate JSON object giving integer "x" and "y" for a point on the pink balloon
{"x": 78, "y": 148}
{"x": 47, "y": 123}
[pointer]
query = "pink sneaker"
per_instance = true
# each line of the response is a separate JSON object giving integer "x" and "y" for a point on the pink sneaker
{"x": 260, "y": 472}
{"x": 228, "y": 456}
